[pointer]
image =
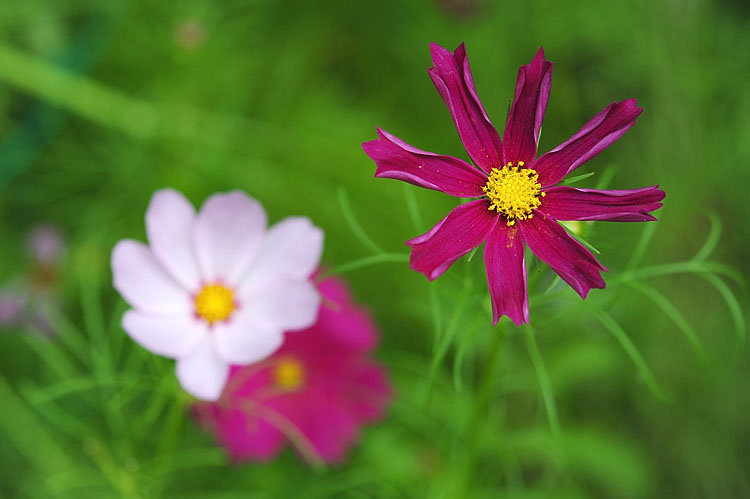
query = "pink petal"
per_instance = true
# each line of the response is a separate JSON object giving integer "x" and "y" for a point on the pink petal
{"x": 291, "y": 248}
{"x": 243, "y": 435}
{"x": 202, "y": 373}
{"x": 452, "y": 78}
{"x": 327, "y": 424}
{"x": 369, "y": 392}
{"x": 144, "y": 283}
{"x": 506, "y": 274}
{"x": 12, "y": 305}
{"x": 284, "y": 304}
{"x": 569, "y": 203}
{"x": 524, "y": 124}
{"x": 228, "y": 233}
{"x": 599, "y": 133}
{"x": 169, "y": 224}
{"x": 46, "y": 244}
{"x": 462, "y": 230}
{"x": 345, "y": 323}
{"x": 554, "y": 246}
{"x": 242, "y": 340}
{"x": 170, "y": 336}
{"x": 397, "y": 159}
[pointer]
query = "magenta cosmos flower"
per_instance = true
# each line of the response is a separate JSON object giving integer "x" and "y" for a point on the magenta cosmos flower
{"x": 517, "y": 201}
{"x": 317, "y": 390}
{"x": 217, "y": 287}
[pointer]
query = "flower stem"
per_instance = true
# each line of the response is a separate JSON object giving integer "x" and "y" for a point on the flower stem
{"x": 476, "y": 420}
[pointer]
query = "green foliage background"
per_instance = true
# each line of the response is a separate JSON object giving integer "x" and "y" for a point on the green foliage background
{"x": 640, "y": 391}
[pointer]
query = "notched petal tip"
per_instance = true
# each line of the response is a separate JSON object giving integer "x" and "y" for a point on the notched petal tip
{"x": 452, "y": 78}
{"x": 524, "y": 123}
{"x": 540, "y": 59}
{"x": 439, "y": 54}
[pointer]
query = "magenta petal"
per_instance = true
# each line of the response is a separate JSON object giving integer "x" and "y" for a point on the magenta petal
{"x": 452, "y": 78}
{"x": 244, "y": 435}
{"x": 506, "y": 274}
{"x": 461, "y": 231}
{"x": 524, "y": 124}
{"x": 397, "y": 159}
{"x": 599, "y": 133}
{"x": 569, "y": 203}
{"x": 558, "y": 249}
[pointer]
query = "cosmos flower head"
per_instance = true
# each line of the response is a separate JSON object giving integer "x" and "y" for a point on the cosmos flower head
{"x": 29, "y": 300}
{"x": 216, "y": 287}
{"x": 517, "y": 201}
{"x": 317, "y": 390}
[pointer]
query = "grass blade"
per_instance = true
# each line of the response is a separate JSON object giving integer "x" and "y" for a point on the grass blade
{"x": 354, "y": 224}
{"x": 630, "y": 349}
{"x": 673, "y": 313}
{"x": 545, "y": 386}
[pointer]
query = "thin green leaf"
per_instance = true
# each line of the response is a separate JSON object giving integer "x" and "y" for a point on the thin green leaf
{"x": 545, "y": 386}
{"x": 354, "y": 224}
{"x": 66, "y": 387}
{"x": 443, "y": 343}
{"x": 632, "y": 352}
{"x": 577, "y": 178}
{"x": 643, "y": 243}
{"x": 21, "y": 429}
{"x": 581, "y": 240}
{"x": 468, "y": 338}
{"x": 52, "y": 356}
{"x": 673, "y": 313}
{"x": 712, "y": 240}
{"x": 606, "y": 177}
{"x": 666, "y": 269}
{"x": 413, "y": 208}
{"x": 366, "y": 262}
{"x": 734, "y": 308}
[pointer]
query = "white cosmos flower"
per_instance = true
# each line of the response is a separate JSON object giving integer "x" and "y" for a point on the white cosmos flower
{"x": 217, "y": 287}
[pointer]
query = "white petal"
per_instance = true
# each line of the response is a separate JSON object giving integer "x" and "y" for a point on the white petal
{"x": 169, "y": 224}
{"x": 244, "y": 341}
{"x": 202, "y": 373}
{"x": 170, "y": 336}
{"x": 228, "y": 233}
{"x": 292, "y": 248}
{"x": 144, "y": 283}
{"x": 285, "y": 304}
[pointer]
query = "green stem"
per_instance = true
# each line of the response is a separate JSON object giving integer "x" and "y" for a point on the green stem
{"x": 475, "y": 423}
{"x": 545, "y": 385}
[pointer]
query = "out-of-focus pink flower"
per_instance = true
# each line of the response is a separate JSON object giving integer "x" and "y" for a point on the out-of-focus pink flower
{"x": 316, "y": 391}
{"x": 12, "y": 304}
{"x": 30, "y": 298}
{"x": 46, "y": 244}
{"x": 190, "y": 34}
{"x": 216, "y": 287}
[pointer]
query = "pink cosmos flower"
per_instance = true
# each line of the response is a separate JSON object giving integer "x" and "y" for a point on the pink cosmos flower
{"x": 517, "y": 201}
{"x": 216, "y": 288}
{"x": 317, "y": 390}
{"x": 30, "y": 300}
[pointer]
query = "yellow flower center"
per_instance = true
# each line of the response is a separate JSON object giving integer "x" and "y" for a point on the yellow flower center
{"x": 214, "y": 303}
{"x": 514, "y": 191}
{"x": 289, "y": 374}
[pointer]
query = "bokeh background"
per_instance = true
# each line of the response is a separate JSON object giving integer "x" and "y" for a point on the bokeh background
{"x": 640, "y": 391}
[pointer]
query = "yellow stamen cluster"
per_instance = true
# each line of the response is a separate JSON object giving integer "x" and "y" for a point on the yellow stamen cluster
{"x": 214, "y": 303}
{"x": 514, "y": 191}
{"x": 289, "y": 374}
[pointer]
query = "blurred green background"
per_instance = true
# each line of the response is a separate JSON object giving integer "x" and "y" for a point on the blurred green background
{"x": 640, "y": 391}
